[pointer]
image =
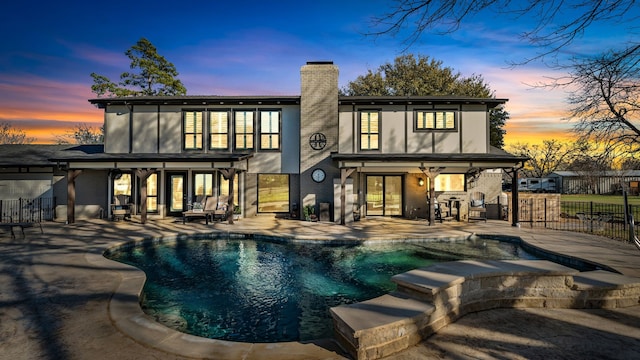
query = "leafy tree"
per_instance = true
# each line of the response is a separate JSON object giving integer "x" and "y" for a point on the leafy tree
{"x": 155, "y": 76}
{"x": 82, "y": 134}
{"x": 11, "y": 135}
{"x": 422, "y": 76}
{"x": 555, "y": 24}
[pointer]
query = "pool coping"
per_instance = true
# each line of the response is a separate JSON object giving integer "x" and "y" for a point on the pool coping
{"x": 127, "y": 316}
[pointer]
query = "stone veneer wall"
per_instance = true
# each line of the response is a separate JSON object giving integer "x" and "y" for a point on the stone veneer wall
{"x": 318, "y": 114}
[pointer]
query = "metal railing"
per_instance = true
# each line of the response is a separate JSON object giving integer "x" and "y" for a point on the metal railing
{"x": 580, "y": 216}
{"x": 27, "y": 210}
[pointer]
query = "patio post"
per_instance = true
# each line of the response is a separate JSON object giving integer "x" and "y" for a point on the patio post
{"x": 71, "y": 195}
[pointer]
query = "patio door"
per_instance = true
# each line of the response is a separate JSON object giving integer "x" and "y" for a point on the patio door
{"x": 176, "y": 193}
{"x": 384, "y": 195}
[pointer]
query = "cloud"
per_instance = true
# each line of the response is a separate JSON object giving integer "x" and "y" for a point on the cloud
{"x": 45, "y": 107}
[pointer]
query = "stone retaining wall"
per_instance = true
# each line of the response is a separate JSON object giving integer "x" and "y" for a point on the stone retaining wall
{"x": 428, "y": 299}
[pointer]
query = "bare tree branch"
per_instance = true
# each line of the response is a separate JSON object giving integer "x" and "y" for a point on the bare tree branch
{"x": 558, "y": 23}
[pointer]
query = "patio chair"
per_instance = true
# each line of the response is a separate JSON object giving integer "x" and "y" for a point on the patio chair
{"x": 121, "y": 208}
{"x": 477, "y": 209}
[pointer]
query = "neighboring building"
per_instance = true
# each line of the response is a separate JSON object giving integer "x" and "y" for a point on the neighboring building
{"x": 599, "y": 182}
{"x": 278, "y": 154}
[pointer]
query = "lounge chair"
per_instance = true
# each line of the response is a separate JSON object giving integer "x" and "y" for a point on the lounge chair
{"x": 202, "y": 211}
{"x": 219, "y": 213}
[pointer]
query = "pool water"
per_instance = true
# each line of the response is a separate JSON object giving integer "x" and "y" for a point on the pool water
{"x": 258, "y": 291}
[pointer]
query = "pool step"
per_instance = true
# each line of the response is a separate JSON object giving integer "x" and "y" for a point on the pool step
{"x": 429, "y": 298}
{"x": 382, "y": 326}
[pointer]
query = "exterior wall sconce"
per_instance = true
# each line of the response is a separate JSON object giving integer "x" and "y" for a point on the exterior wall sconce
{"x": 421, "y": 182}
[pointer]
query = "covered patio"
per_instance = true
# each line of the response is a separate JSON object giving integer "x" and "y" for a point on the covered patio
{"x": 429, "y": 165}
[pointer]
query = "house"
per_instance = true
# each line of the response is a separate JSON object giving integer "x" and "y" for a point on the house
{"x": 342, "y": 157}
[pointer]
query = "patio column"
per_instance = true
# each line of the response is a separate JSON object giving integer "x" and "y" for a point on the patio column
{"x": 71, "y": 195}
{"x": 143, "y": 175}
{"x": 344, "y": 174}
{"x": 229, "y": 174}
{"x": 431, "y": 173}
{"x": 515, "y": 211}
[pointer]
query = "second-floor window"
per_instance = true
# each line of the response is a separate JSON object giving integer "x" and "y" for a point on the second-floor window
{"x": 218, "y": 130}
{"x": 369, "y": 130}
{"x": 193, "y": 130}
{"x": 435, "y": 120}
{"x": 244, "y": 130}
{"x": 269, "y": 130}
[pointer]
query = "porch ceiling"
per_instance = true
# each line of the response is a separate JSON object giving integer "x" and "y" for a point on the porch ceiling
{"x": 412, "y": 163}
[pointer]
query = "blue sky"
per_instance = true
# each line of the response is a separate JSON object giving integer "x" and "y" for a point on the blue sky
{"x": 253, "y": 48}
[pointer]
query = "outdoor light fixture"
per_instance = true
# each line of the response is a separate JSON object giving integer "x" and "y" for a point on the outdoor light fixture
{"x": 421, "y": 182}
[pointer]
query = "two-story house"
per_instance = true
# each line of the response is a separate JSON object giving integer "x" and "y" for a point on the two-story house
{"x": 341, "y": 156}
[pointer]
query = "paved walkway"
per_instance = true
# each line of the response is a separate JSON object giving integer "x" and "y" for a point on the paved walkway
{"x": 55, "y": 293}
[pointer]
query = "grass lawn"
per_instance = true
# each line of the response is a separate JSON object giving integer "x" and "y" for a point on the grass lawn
{"x": 604, "y": 199}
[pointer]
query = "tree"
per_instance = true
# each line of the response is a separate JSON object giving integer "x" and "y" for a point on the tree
{"x": 11, "y": 135}
{"x": 606, "y": 99}
{"x": 155, "y": 76}
{"x": 556, "y": 24}
{"x": 550, "y": 156}
{"x": 422, "y": 76}
{"x": 82, "y": 134}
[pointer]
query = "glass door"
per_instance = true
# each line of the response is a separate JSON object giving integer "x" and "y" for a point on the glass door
{"x": 393, "y": 195}
{"x": 384, "y": 195}
{"x": 176, "y": 194}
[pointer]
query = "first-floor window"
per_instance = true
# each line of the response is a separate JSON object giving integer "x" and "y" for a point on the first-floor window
{"x": 202, "y": 186}
{"x": 224, "y": 188}
{"x": 122, "y": 185}
{"x": 152, "y": 193}
{"x": 449, "y": 182}
{"x": 273, "y": 193}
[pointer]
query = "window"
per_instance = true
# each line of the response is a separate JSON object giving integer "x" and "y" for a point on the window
{"x": 122, "y": 185}
{"x": 435, "y": 120}
{"x": 449, "y": 182}
{"x": 193, "y": 130}
{"x": 224, "y": 188}
{"x": 244, "y": 129}
{"x": 219, "y": 130}
{"x": 269, "y": 130}
{"x": 202, "y": 186}
{"x": 273, "y": 193}
{"x": 369, "y": 130}
{"x": 152, "y": 193}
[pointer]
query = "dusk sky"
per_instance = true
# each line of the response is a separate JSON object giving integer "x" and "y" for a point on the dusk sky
{"x": 255, "y": 48}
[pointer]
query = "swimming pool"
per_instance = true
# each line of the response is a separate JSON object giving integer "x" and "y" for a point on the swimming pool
{"x": 261, "y": 291}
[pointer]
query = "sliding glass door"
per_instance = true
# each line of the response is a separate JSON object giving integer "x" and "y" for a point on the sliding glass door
{"x": 384, "y": 195}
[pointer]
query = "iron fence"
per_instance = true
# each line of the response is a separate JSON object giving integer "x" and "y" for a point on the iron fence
{"x": 27, "y": 210}
{"x": 579, "y": 216}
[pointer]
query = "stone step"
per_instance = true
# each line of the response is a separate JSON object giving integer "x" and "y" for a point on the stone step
{"x": 380, "y": 327}
{"x": 429, "y": 298}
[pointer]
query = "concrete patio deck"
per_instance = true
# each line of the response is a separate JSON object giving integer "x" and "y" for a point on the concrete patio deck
{"x": 56, "y": 292}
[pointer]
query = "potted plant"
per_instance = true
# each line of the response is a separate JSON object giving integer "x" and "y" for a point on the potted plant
{"x": 309, "y": 212}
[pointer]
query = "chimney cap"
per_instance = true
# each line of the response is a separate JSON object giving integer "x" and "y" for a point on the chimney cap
{"x": 319, "y": 62}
